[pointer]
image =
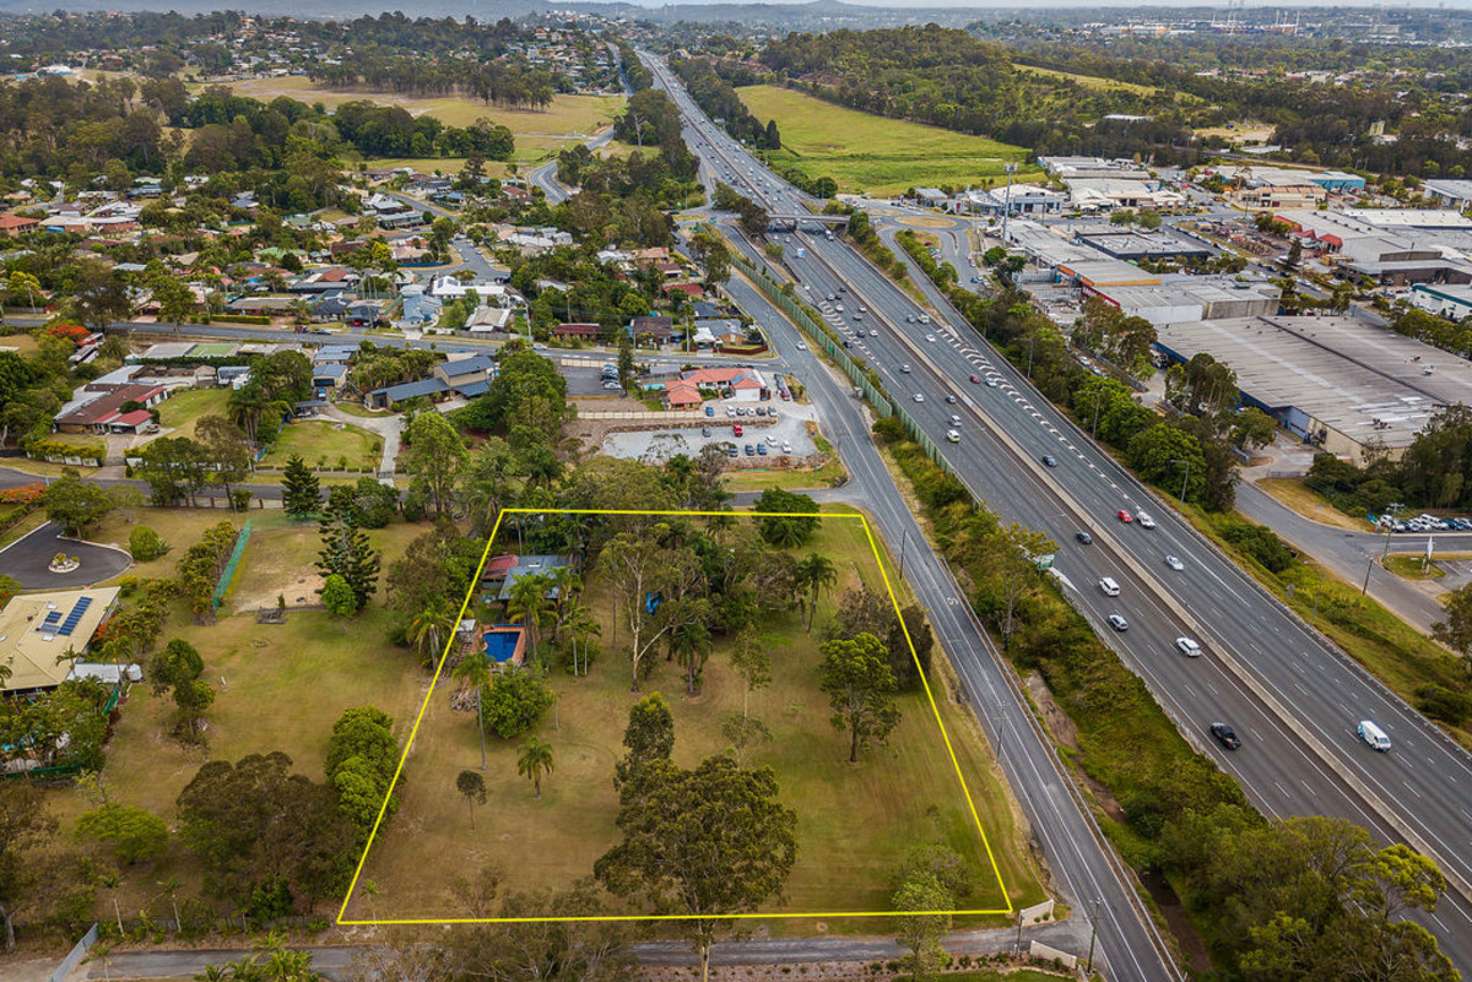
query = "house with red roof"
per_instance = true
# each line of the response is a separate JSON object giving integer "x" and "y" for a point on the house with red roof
{"x": 681, "y": 394}
{"x": 743, "y": 384}
{"x": 14, "y": 225}
{"x": 104, "y": 413}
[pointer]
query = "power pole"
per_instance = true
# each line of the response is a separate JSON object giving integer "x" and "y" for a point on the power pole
{"x": 1093, "y": 933}
{"x": 1011, "y": 169}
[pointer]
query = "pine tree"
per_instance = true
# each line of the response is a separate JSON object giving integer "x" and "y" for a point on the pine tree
{"x": 301, "y": 492}
{"x": 346, "y": 551}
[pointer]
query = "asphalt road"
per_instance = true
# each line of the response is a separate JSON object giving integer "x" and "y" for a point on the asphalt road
{"x": 1292, "y": 696}
{"x": 28, "y": 557}
{"x": 1083, "y": 864}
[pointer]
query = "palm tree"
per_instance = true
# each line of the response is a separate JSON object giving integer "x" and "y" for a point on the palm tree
{"x": 475, "y": 670}
{"x": 430, "y": 628}
{"x": 528, "y": 604}
{"x": 814, "y": 573}
{"x": 534, "y": 762}
{"x": 565, "y": 583}
{"x": 583, "y": 627}
{"x": 246, "y": 405}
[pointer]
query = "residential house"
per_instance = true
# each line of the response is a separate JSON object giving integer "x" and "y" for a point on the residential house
{"x": 581, "y": 331}
{"x": 39, "y": 630}
{"x": 102, "y": 412}
{"x": 464, "y": 371}
{"x": 657, "y": 329}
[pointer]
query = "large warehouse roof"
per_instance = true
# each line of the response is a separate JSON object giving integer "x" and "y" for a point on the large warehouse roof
{"x": 1367, "y": 383}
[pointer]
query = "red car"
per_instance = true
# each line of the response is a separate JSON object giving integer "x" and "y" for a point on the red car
{"x": 1124, "y": 516}
{"x": 735, "y": 429}
{"x": 975, "y": 379}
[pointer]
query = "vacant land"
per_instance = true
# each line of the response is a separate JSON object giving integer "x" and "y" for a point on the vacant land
{"x": 864, "y": 152}
{"x": 855, "y": 822}
{"x": 322, "y": 443}
{"x": 1245, "y": 131}
{"x": 1095, "y": 82}
{"x": 184, "y": 409}
{"x": 539, "y": 132}
{"x": 1291, "y": 491}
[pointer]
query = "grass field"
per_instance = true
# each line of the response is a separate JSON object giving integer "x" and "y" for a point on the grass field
{"x": 182, "y": 410}
{"x": 316, "y": 440}
{"x": 1413, "y": 566}
{"x": 539, "y": 133}
{"x": 278, "y": 687}
{"x": 1095, "y": 82}
{"x": 1243, "y": 131}
{"x": 855, "y": 822}
{"x": 864, "y": 152}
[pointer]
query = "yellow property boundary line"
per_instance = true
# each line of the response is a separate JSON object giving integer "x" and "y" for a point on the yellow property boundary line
{"x": 343, "y": 919}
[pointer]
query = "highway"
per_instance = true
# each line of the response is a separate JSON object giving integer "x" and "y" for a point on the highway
{"x": 1085, "y": 868}
{"x": 1083, "y": 865}
{"x": 1292, "y": 696}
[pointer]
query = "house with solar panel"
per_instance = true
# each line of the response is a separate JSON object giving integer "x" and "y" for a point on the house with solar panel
{"x": 45, "y": 638}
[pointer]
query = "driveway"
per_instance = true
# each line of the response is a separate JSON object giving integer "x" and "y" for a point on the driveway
{"x": 26, "y": 559}
{"x": 391, "y": 428}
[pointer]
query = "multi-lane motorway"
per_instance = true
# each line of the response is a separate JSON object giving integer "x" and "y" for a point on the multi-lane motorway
{"x": 1294, "y": 698}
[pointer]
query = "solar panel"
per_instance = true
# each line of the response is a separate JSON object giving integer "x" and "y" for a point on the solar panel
{"x": 78, "y": 609}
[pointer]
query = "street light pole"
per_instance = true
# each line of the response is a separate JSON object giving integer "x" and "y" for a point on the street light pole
{"x": 903, "y": 540}
{"x": 1186, "y": 479}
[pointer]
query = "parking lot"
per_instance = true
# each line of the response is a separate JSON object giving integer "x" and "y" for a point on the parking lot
{"x": 1424, "y": 523}
{"x": 789, "y": 431}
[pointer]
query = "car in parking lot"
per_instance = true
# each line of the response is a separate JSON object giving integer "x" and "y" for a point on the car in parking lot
{"x": 1124, "y": 516}
{"x": 1118, "y": 622}
{"x": 1188, "y": 647}
{"x": 710, "y": 410}
{"x": 1084, "y": 538}
{"x": 787, "y": 448}
{"x": 1174, "y": 563}
{"x": 730, "y": 411}
{"x": 736, "y": 429}
{"x": 761, "y": 449}
{"x": 731, "y": 450}
{"x": 1049, "y": 460}
{"x": 749, "y": 450}
{"x": 1225, "y": 735}
{"x": 705, "y": 431}
{"x": 610, "y": 386}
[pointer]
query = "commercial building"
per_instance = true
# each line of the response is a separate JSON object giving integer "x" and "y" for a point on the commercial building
{"x": 1131, "y": 246}
{"x": 1448, "y": 219}
{"x": 1336, "y": 382}
{"x": 38, "y": 629}
{"x": 1449, "y": 193}
{"x": 1094, "y": 274}
{"x": 1096, "y": 193}
{"x": 1065, "y": 168}
{"x": 1453, "y": 302}
{"x": 1184, "y": 299}
{"x": 1019, "y": 199}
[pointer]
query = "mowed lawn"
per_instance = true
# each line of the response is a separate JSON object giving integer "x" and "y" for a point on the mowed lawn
{"x": 181, "y": 411}
{"x": 539, "y": 132}
{"x": 320, "y": 443}
{"x": 864, "y": 152}
{"x": 856, "y": 823}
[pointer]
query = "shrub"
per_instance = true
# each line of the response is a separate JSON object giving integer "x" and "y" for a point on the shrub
{"x": 514, "y": 701}
{"x": 1259, "y": 543}
{"x": 1443, "y": 704}
{"x": 145, "y": 544}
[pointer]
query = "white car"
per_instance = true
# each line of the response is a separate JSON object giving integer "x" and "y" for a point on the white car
{"x": 930, "y": 338}
{"x": 1188, "y": 647}
{"x": 1108, "y": 586}
{"x": 919, "y": 397}
{"x": 1174, "y": 563}
{"x": 991, "y": 380}
{"x": 787, "y": 448}
{"x": 905, "y": 369}
{"x": 873, "y": 334}
{"x": 802, "y": 346}
{"x": 1146, "y": 522}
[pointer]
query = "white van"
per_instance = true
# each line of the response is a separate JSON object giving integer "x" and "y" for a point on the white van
{"x": 1373, "y": 735}
{"x": 1110, "y": 588}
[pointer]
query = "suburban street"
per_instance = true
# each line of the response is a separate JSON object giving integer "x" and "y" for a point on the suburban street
{"x": 1293, "y": 697}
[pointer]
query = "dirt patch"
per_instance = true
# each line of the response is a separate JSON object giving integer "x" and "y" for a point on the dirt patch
{"x": 1193, "y": 946}
{"x": 1064, "y": 732}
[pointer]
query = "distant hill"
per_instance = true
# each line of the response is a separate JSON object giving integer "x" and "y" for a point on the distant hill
{"x": 818, "y": 15}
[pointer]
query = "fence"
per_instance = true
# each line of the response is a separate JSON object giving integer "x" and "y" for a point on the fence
{"x": 75, "y": 956}
{"x": 230, "y": 564}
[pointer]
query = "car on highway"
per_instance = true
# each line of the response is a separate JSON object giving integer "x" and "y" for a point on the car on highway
{"x": 1174, "y": 563}
{"x": 992, "y": 381}
{"x": 1372, "y": 735}
{"x": 925, "y": 318}
{"x": 974, "y": 378}
{"x": 873, "y": 334}
{"x": 863, "y": 309}
{"x": 1049, "y": 460}
{"x": 930, "y": 338}
{"x": 905, "y": 368}
{"x": 910, "y": 319}
{"x": 832, "y": 297}
{"x": 950, "y": 400}
{"x": 1188, "y": 647}
{"x": 1124, "y": 516}
{"x": 802, "y": 346}
{"x": 1225, "y": 735}
{"x": 1109, "y": 586}
{"x": 1084, "y": 538}
{"x": 919, "y": 397}
{"x": 953, "y": 436}
{"x": 1144, "y": 519}
{"x": 1118, "y": 622}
